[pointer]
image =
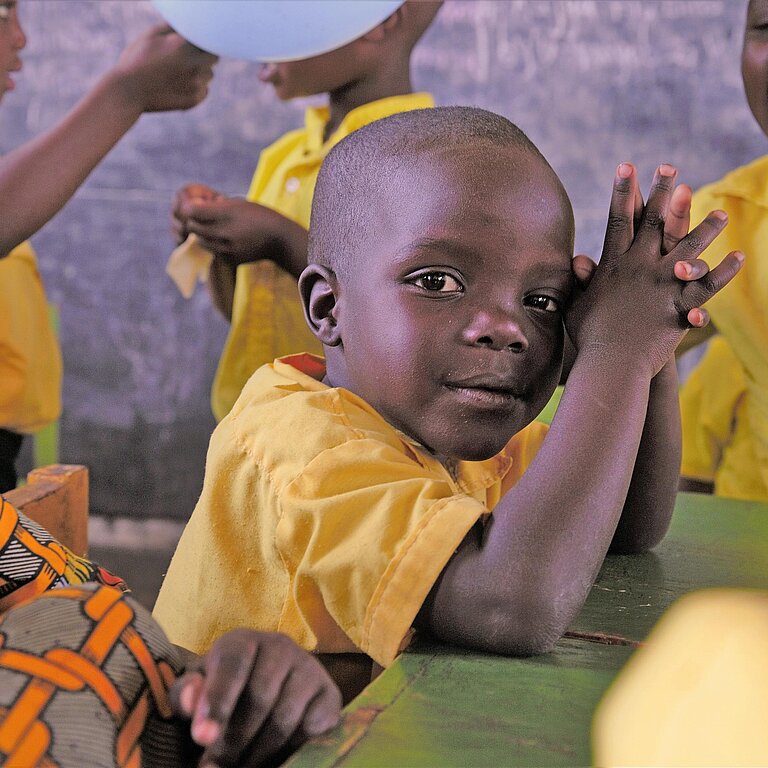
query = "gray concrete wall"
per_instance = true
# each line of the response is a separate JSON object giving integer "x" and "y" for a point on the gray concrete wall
{"x": 592, "y": 82}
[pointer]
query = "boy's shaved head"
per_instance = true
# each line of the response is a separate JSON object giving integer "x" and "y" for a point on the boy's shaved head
{"x": 440, "y": 250}
{"x": 366, "y": 167}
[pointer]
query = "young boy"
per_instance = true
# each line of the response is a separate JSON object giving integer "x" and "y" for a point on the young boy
{"x": 87, "y": 677}
{"x": 401, "y": 483}
{"x": 365, "y": 80}
{"x": 159, "y": 71}
{"x": 725, "y": 400}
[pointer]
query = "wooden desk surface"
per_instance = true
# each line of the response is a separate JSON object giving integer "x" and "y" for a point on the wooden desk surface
{"x": 442, "y": 706}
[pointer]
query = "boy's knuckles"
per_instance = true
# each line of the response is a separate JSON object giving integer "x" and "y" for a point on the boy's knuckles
{"x": 653, "y": 219}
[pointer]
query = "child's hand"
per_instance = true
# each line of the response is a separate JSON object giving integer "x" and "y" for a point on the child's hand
{"x": 186, "y": 196}
{"x": 255, "y": 694}
{"x": 160, "y": 71}
{"x": 636, "y": 308}
{"x": 675, "y": 229}
{"x": 234, "y": 229}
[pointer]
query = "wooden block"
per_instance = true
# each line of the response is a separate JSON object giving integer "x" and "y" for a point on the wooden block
{"x": 56, "y": 497}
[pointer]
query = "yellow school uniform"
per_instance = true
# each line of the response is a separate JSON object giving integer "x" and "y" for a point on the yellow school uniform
{"x": 320, "y": 520}
{"x": 267, "y": 315}
{"x": 30, "y": 360}
{"x": 740, "y": 312}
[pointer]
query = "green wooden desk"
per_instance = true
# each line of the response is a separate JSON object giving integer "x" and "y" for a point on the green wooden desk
{"x": 441, "y": 706}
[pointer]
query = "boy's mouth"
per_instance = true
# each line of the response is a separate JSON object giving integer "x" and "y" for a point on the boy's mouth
{"x": 485, "y": 390}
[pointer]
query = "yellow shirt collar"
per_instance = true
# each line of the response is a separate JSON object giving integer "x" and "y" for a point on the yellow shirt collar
{"x": 307, "y": 370}
{"x": 316, "y": 118}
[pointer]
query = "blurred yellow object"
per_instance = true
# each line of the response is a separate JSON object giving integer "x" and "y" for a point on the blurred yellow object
{"x": 696, "y": 693}
{"x": 189, "y": 264}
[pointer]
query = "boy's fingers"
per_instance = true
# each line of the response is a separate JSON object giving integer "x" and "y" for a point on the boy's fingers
{"x": 678, "y": 218}
{"x": 690, "y": 270}
{"x": 700, "y": 237}
{"x": 639, "y": 204}
{"x": 228, "y": 667}
{"x": 698, "y": 317}
{"x": 698, "y": 292}
{"x": 583, "y": 268}
{"x": 272, "y": 700}
{"x": 323, "y": 712}
{"x": 285, "y": 719}
{"x": 656, "y": 209}
{"x": 619, "y": 230}
{"x": 203, "y": 211}
{"x": 185, "y": 692}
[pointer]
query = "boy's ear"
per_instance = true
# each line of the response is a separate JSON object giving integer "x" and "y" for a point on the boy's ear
{"x": 319, "y": 292}
{"x": 381, "y": 31}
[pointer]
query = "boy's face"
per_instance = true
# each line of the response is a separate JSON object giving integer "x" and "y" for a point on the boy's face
{"x": 325, "y": 73}
{"x": 451, "y": 319}
{"x": 12, "y": 40}
{"x": 754, "y": 61}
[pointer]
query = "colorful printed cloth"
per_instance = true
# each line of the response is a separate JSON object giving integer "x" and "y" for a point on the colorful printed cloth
{"x": 84, "y": 680}
{"x": 32, "y": 561}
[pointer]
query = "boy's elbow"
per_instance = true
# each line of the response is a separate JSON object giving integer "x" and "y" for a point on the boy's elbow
{"x": 527, "y": 629}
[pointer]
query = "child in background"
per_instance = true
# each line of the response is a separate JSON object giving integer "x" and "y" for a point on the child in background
{"x": 724, "y": 402}
{"x": 260, "y": 244}
{"x": 159, "y": 71}
{"x": 65, "y": 624}
{"x": 402, "y": 483}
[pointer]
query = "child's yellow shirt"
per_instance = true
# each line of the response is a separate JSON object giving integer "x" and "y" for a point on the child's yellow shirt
{"x": 30, "y": 360}
{"x": 740, "y": 312}
{"x": 320, "y": 520}
{"x": 267, "y": 315}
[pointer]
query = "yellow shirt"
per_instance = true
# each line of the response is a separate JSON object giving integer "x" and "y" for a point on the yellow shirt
{"x": 267, "y": 315}
{"x": 30, "y": 361}
{"x": 740, "y": 312}
{"x": 320, "y": 520}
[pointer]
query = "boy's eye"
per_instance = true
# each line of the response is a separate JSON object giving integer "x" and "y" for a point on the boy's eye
{"x": 438, "y": 282}
{"x": 546, "y": 303}
{"x": 5, "y": 9}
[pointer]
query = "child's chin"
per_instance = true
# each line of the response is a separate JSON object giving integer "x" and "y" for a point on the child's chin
{"x": 478, "y": 450}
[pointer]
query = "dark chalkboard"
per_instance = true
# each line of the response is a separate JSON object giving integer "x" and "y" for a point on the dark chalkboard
{"x": 592, "y": 83}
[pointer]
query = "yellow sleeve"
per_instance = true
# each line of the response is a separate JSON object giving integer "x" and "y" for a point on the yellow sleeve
{"x": 365, "y": 532}
{"x": 340, "y": 558}
{"x": 708, "y": 403}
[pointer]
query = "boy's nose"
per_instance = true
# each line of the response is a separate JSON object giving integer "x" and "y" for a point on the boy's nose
{"x": 19, "y": 38}
{"x": 496, "y": 331}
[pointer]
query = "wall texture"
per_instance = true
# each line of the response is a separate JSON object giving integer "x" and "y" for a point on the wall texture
{"x": 593, "y": 82}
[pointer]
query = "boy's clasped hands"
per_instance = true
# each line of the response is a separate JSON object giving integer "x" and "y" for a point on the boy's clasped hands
{"x": 647, "y": 246}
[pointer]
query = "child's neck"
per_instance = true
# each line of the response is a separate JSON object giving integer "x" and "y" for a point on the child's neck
{"x": 395, "y": 81}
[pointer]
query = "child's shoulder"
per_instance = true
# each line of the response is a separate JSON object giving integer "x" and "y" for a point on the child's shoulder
{"x": 286, "y": 417}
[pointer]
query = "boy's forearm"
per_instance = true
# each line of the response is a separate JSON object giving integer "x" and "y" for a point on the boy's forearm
{"x": 516, "y": 588}
{"x": 221, "y": 286}
{"x": 37, "y": 179}
{"x": 294, "y": 243}
{"x": 651, "y": 495}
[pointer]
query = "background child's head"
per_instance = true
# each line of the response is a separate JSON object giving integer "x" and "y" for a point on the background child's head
{"x": 754, "y": 61}
{"x": 12, "y": 40}
{"x": 440, "y": 262}
{"x": 386, "y": 47}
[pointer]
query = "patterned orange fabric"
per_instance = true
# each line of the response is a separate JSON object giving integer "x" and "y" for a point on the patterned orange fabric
{"x": 32, "y": 561}
{"x": 84, "y": 679}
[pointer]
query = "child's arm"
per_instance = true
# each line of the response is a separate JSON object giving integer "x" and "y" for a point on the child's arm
{"x": 253, "y": 696}
{"x": 236, "y": 232}
{"x": 651, "y": 496}
{"x": 158, "y": 71}
{"x": 516, "y": 584}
